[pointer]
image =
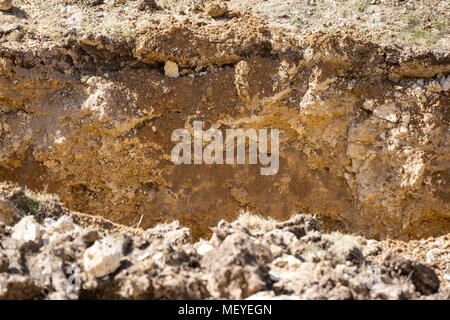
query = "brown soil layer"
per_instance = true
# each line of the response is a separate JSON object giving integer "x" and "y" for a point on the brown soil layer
{"x": 87, "y": 112}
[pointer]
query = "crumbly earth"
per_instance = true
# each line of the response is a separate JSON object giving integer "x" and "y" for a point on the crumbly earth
{"x": 48, "y": 256}
{"x": 422, "y": 25}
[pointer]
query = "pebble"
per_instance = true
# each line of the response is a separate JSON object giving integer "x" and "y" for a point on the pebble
{"x": 63, "y": 225}
{"x": 445, "y": 83}
{"x": 27, "y": 230}
{"x": 171, "y": 69}
{"x": 431, "y": 255}
{"x": 216, "y": 9}
{"x": 103, "y": 257}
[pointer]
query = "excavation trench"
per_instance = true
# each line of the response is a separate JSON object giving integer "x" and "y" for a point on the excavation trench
{"x": 363, "y": 131}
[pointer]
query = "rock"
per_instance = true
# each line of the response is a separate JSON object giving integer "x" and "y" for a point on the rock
{"x": 12, "y": 252}
{"x": 216, "y": 9}
{"x": 147, "y": 5}
{"x": 169, "y": 234}
{"x": 430, "y": 255}
{"x": 443, "y": 294}
{"x": 434, "y": 86}
{"x": 234, "y": 264}
{"x": 62, "y": 225}
{"x": 386, "y": 112}
{"x": 221, "y": 232}
{"x": 8, "y": 213}
{"x": 289, "y": 262}
{"x": 114, "y": 2}
{"x": 445, "y": 83}
{"x": 104, "y": 256}
{"x": 5, "y": 5}
{"x": 171, "y": 69}
{"x": 392, "y": 291}
{"x": 232, "y": 14}
{"x": 280, "y": 241}
{"x": 423, "y": 277}
{"x": 27, "y": 230}
{"x": 306, "y": 280}
{"x": 237, "y": 268}
{"x": 345, "y": 248}
{"x": 47, "y": 271}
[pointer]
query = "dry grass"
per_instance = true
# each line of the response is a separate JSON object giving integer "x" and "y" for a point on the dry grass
{"x": 253, "y": 221}
{"x": 28, "y": 201}
{"x": 422, "y": 24}
{"x": 311, "y": 251}
{"x": 344, "y": 241}
{"x": 57, "y": 19}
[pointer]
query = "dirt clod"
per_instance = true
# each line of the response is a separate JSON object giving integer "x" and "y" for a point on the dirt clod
{"x": 216, "y": 8}
{"x": 248, "y": 258}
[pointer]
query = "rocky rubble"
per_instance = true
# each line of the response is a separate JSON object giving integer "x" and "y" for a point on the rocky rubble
{"x": 250, "y": 258}
{"x": 88, "y": 114}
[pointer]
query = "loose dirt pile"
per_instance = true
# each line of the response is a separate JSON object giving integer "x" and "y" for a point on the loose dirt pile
{"x": 48, "y": 256}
